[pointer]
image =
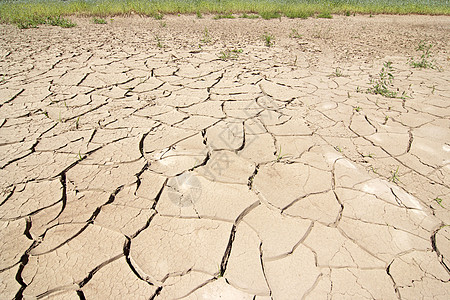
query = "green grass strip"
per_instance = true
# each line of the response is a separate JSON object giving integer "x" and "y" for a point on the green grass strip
{"x": 37, "y": 12}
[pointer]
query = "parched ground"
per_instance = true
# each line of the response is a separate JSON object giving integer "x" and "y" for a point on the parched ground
{"x": 146, "y": 159}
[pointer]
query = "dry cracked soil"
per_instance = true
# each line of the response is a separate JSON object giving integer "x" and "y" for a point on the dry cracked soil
{"x": 184, "y": 158}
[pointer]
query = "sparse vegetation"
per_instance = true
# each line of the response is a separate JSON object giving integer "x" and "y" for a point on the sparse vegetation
{"x": 279, "y": 155}
{"x": 325, "y": 15}
{"x": 268, "y": 39}
{"x": 224, "y": 16}
{"x": 267, "y": 15}
{"x": 158, "y": 42}
{"x": 35, "y": 21}
{"x": 230, "y": 54}
{"x": 60, "y": 21}
{"x": 395, "y": 177}
{"x": 337, "y": 73}
{"x": 294, "y": 34}
{"x": 249, "y": 16}
{"x": 98, "y": 21}
{"x": 424, "y": 62}
{"x": 439, "y": 201}
{"x": 382, "y": 85}
{"x": 206, "y": 37}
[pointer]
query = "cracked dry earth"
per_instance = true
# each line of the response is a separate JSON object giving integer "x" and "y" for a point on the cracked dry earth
{"x": 136, "y": 170}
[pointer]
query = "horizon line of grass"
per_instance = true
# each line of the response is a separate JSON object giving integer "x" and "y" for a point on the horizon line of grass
{"x": 16, "y": 12}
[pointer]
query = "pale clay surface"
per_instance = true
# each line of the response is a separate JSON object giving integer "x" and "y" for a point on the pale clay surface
{"x": 133, "y": 171}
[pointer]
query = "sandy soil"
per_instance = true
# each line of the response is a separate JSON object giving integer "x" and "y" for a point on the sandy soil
{"x": 183, "y": 158}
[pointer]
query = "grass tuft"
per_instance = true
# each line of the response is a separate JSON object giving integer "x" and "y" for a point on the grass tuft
{"x": 325, "y": 15}
{"x": 230, "y": 54}
{"x": 268, "y": 39}
{"x": 267, "y": 15}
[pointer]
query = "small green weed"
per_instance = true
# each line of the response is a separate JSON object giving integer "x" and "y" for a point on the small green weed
{"x": 199, "y": 14}
{"x": 80, "y": 157}
{"x": 77, "y": 122}
{"x": 338, "y": 149}
{"x": 163, "y": 24}
{"x": 251, "y": 16}
{"x": 424, "y": 61}
{"x": 357, "y": 109}
{"x": 268, "y": 39}
{"x": 267, "y": 15}
{"x": 206, "y": 37}
{"x": 230, "y": 54}
{"x": 325, "y": 15}
{"x": 99, "y": 21}
{"x": 158, "y": 42}
{"x": 439, "y": 201}
{"x": 433, "y": 88}
{"x": 294, "y": 34}
{"x": 279, "y": 155}
{"x": 383, "y": 84}
{"x": 395, "y": 177}
{"x": 337, "y": 73}
{"x": 224, "y": 16}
